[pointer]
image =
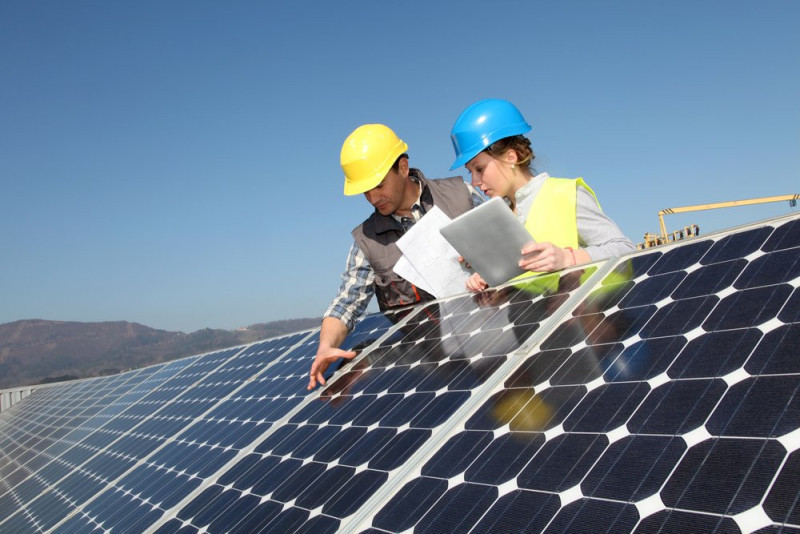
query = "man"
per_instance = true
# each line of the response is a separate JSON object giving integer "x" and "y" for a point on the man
{"x": 375, "y": 163}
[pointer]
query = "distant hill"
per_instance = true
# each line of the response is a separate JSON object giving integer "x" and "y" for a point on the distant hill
{"x": 38, "y": 351}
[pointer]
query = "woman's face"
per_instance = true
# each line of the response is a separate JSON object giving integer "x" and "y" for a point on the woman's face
{"x": 493, "y": 176}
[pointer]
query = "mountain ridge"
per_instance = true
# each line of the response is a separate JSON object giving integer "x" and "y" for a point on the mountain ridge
{"x": 38, "y": 351}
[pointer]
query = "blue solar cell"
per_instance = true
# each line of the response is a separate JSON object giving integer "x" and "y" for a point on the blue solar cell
{"x": 785, "y": 236}
{"x": 368, "y": 446}
{"x": 342, "y": 441}
{"x": 325, "y": 487}
{"x": 777, "y": 353}
{"x": 653, "y": 289}
{"x": 172, "y": 489}
{"x": 260, "y": 470}
{"x": 679, "y": 317}
{"x": 791, "y": 311}
{"x": 457, "y": 454}
{"x": 78, "y": 524}
{"x": 20, "y": 523}
{"x": 737, "y": 245}
{"x": 227, "y": 518}
{"x": 730, "y": 349}
{"x": 414, "y": 499}
{"x": 177, "y": 527}
{"x": 469, "y": 378}
{"x": 503, "y": 458}
{"x": 644, "y": 359}
{"x": 633, "y": 468}
{"x": 782, "y": 504}
{"x": 200, "y": 502}
{"x": 586, "y": 364}
{"x": 289, "y": 520}
{"x": 742, "y": 411}
{"x": 320, "y": 524}
{"x": 48, "y": 509}
{"x": 458, "y": 509}
{"x": 773, "y": 268}
{"x": 680, "y": 521}
{"x": 353, "y": 493}
{"x": 589, "y": 515}
{"x": 396, "y": 451}
{"x": 138, "y": 519}
{"x": 677, "y": 407}
{"x": 215, "y": 506}
{"x": 270, "y": 481}
{"x": 750, "y": 307}
{"x": 519, "y": 511}
{"x": 259, "y": 518}
{"x": 606, "y": 407}
{"x": 562, "y": 462}
{"x": 723, "y": 476}
{"x": 679, "y": 258}
{"x": 709, "y": 279}
{"x": 300, "y": 481}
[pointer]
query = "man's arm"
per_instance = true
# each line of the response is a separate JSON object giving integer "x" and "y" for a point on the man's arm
{"x": 350, "y": 303}
{"x": 331, "y": 335}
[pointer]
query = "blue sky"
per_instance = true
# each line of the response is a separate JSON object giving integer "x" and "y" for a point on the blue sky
{"x": 177, "y": 163}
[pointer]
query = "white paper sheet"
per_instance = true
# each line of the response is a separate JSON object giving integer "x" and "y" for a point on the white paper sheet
{"x": 406, "y": 269}
{"x": 428, "y": 260}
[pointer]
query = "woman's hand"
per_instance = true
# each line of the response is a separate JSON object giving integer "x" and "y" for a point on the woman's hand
{"x": 544, "y": 257}
{"x": 475, "y": 283}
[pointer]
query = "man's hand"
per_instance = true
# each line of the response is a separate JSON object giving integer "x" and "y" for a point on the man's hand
{"x": 331, "y": 335}
{"x": 325, "y": 357}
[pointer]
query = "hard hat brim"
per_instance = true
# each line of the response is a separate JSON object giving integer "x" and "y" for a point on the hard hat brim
{"x": 357, "y": 188}
{"x": 365, "y": 183}
{"x": 486, "y": 140}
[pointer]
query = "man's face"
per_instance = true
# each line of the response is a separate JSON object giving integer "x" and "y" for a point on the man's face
{"x": 387, "y": 196}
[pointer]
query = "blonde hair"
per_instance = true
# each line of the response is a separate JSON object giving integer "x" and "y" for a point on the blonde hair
{"x": 519, "y": 144}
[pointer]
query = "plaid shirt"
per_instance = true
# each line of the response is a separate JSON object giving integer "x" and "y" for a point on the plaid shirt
{"x": 357, "y": 286}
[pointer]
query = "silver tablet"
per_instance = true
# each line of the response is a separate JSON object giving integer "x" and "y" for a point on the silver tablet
{"x": 490, "y": 238}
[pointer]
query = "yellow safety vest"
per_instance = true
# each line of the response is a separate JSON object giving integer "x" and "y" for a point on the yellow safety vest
{"x": 552, "y": 216}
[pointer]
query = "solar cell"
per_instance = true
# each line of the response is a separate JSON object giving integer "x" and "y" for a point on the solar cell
{"x": 656, "y": 392}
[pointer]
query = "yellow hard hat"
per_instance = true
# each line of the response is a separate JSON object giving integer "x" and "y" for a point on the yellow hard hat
{"x": 367, "y": 155}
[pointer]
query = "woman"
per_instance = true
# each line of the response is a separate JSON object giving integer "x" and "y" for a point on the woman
{"x": 562, "y": 215}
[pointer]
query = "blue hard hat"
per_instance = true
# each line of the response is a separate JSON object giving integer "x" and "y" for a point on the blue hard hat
{"x": 483, "y": 123}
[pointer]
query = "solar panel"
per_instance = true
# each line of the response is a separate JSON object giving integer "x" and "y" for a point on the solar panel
{"x": 655, "y": 392}
{"x": 335, "y": 452}
{"x": 667, "y": 400}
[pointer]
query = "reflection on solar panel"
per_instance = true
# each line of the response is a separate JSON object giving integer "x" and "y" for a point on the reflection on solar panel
{"x": 655, "y": 393}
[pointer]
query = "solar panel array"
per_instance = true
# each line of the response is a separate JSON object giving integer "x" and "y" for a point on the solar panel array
{"x": 658, "y": 392}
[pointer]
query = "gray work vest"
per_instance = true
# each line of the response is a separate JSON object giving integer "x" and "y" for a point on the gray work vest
{"x": 377, "y": 238}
